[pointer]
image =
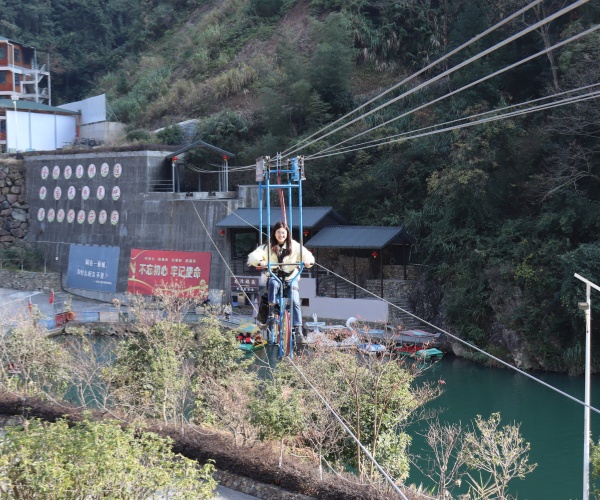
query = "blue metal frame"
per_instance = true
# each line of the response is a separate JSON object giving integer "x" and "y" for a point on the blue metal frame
{"x": 294, "y": 172}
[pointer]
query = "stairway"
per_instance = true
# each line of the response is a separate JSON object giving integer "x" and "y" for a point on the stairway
{"x": 401, "y": 318}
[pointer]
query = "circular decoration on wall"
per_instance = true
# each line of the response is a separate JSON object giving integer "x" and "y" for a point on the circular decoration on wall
{"x": 57, "y": 193}
{"x": 68, "y": 172}
{"x": 71, "y": 192}
{"x": 91, "y": 170}
{"x": 85, "y": 192}
{"x": 45, "y": 172}
{"x": 102, "y": 216}
{"x": 56, "y": 172}
{"x": 117, "y": 170}
{"x": 81, "y": 216}
{"x": 100, "y": 192}
{"x": 104, "y": 169}
{"x": 114, "y": 217}
{"x": 43, "y": 193}
{"x": 41, "y": 214}
{"x": 116, "y": 193}
{"x": 79, "y": 171}
{"x": 91, "y": 216}
{"x": 60, "y": 215}
{"x": 70, "y": 215}
{"x": 51, "y": 215}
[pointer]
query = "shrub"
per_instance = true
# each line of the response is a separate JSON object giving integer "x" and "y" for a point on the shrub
{"x": 139, "y": 135}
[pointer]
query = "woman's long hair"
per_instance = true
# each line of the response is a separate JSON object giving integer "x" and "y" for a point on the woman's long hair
{"x": 288, "y": 239}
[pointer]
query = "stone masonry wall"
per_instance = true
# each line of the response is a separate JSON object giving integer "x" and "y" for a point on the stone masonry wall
{"x": 25, "y": 280}
{"x": 13, "y": 204}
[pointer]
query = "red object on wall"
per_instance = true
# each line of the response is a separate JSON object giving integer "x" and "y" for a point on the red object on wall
{"x": 189, "y": 272}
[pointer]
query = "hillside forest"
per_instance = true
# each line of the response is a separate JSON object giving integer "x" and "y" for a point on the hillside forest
{"x": 504, "y": 203}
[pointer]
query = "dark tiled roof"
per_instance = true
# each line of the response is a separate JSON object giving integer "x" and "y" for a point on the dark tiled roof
{"x": 359, "y": 237}
{"x": 312, "y": 217}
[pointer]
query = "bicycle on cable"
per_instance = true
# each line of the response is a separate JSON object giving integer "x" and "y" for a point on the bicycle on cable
{"x": 281, "y": 258}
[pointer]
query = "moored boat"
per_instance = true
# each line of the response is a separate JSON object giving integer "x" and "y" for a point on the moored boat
{"x": 249, "y": 337}
{"x": 419, "y": 352}
{"x": 253, "y": 347}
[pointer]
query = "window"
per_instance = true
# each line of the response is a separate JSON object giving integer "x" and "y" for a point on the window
{"x": 17, "y": 55}
{"x": 2, "y": 77}
{"x": 17, "y": 79}
{"x": 27, "y": 58}
{"x": 2, "y": 52}
{"x": 244, "y": 243}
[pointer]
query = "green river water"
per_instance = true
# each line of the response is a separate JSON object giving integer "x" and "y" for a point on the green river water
{"x": 550, "y": 422}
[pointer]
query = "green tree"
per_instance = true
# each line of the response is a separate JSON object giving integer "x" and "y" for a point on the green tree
{"x": 153, "y": 370}
{"x": 95, "y": 460}
{"x": 171, "y": 134}
{"x": 276, "y": 410}
{"x": 334, "y": 50}
{"x": 374, "y": 396}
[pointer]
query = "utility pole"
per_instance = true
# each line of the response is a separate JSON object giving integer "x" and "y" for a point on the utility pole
{"x": 587, "y": 308}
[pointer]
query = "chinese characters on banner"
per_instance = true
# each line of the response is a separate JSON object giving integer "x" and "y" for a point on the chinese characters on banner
{"x": 188, "y": 271}
{"x": 93, "y": 267}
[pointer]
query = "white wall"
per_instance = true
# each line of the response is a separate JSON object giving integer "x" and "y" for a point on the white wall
{"x": 92, "y": 109}
{"x": 38, "y": 131}
{"x": 326, "y": 307}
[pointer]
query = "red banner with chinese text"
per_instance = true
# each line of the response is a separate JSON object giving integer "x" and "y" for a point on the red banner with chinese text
{"x": 189, "y": 272}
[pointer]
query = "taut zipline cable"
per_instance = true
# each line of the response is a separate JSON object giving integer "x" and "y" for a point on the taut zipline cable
{"x": 347, "y": 429}
{"x": 485, "y": 113}
{"x": 414, "y": 135}
{"x": 471, "y": 346}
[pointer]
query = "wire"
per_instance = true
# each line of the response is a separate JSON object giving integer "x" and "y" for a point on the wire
{"x": 229, "y": 169}
{"x": 221, "y": 255}
{"x": 451, "y": 70}
{"x": 441, "y": 98}
{"x": 347, "y": 429}
{"x": 464, "y": 118}
{"x": 405, "y": 136}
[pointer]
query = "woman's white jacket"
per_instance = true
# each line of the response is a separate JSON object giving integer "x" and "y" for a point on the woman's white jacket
{"x": 290, "y": 262}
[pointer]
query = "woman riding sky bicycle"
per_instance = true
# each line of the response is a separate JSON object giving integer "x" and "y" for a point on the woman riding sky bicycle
{"x": 284, "y": 254}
